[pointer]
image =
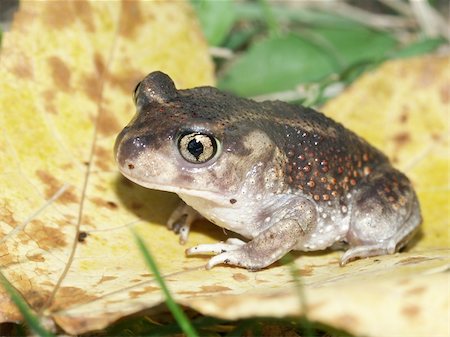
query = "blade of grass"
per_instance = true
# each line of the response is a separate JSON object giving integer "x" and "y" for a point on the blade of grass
{"x": 174, "y": 308}
{"x": 31, "y": 319}
{"x": 289, "y": 261}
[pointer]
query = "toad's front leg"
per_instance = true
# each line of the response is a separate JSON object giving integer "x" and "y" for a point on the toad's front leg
{"x": 181, "y": 219}
{"x": 266, "y": 248}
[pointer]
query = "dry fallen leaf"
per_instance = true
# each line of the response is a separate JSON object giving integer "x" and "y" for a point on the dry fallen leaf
{"x": 66, "y": 84}
{"x": 67, "y": 72}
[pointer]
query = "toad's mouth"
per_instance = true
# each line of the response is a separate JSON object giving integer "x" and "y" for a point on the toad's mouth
{"x": 194, "y": 192}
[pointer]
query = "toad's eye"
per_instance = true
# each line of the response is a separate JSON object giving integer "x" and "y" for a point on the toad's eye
{"x": 135, "y": 92}
{"x": 197, "y": 147}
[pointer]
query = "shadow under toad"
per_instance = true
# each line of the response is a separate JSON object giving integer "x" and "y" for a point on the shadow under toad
{"x": 157, "y": 206}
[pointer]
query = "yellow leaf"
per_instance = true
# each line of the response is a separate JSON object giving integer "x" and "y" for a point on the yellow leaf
{"x": 65, "y": 211}
{"x": 67, "y": 72}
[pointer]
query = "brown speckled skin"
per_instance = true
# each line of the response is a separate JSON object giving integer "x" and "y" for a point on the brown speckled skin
{"x": 336, "y": 185}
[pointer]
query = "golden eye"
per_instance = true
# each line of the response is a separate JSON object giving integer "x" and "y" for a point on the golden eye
{"x": 197, "y": 147}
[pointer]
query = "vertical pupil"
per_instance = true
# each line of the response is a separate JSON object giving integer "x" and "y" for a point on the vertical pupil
{"x": 195, "y": 148}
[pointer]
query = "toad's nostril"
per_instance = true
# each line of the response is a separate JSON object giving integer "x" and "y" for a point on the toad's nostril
{"x": 127, "y": 149}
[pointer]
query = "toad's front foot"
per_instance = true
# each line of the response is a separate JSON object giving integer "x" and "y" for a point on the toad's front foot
{"x": 181, "y": 219}
{"x": 233, "y": 251}
{"x": 221, "y": 249}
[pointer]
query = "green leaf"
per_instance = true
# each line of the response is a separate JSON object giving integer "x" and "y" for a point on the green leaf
{"x": 254, "y": 11}
{"x": 418, "y": 48}
{"x": 277, "y": 64}
{"x": 354, "y": 43}
{"x": 216, "y": 17}
{"x": 270, "y": 18}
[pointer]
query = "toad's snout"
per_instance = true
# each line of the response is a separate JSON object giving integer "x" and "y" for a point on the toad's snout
{"x": 127, "y": 149}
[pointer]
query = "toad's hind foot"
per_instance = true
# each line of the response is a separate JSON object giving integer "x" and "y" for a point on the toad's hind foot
{"x": 268, "y": 247}
{"x": 385, "y": 215}
{"x": 367, "y": 251}
{"x": 390, "y": 246}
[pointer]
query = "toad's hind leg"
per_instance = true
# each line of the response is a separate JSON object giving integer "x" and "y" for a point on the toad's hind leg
{"x": 385, "y": 214}
{"x": 268, "y": 247}
{"x": 298, "y": 218}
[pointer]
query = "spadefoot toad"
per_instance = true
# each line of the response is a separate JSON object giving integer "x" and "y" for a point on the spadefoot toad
{"x": 283, "y": 176}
